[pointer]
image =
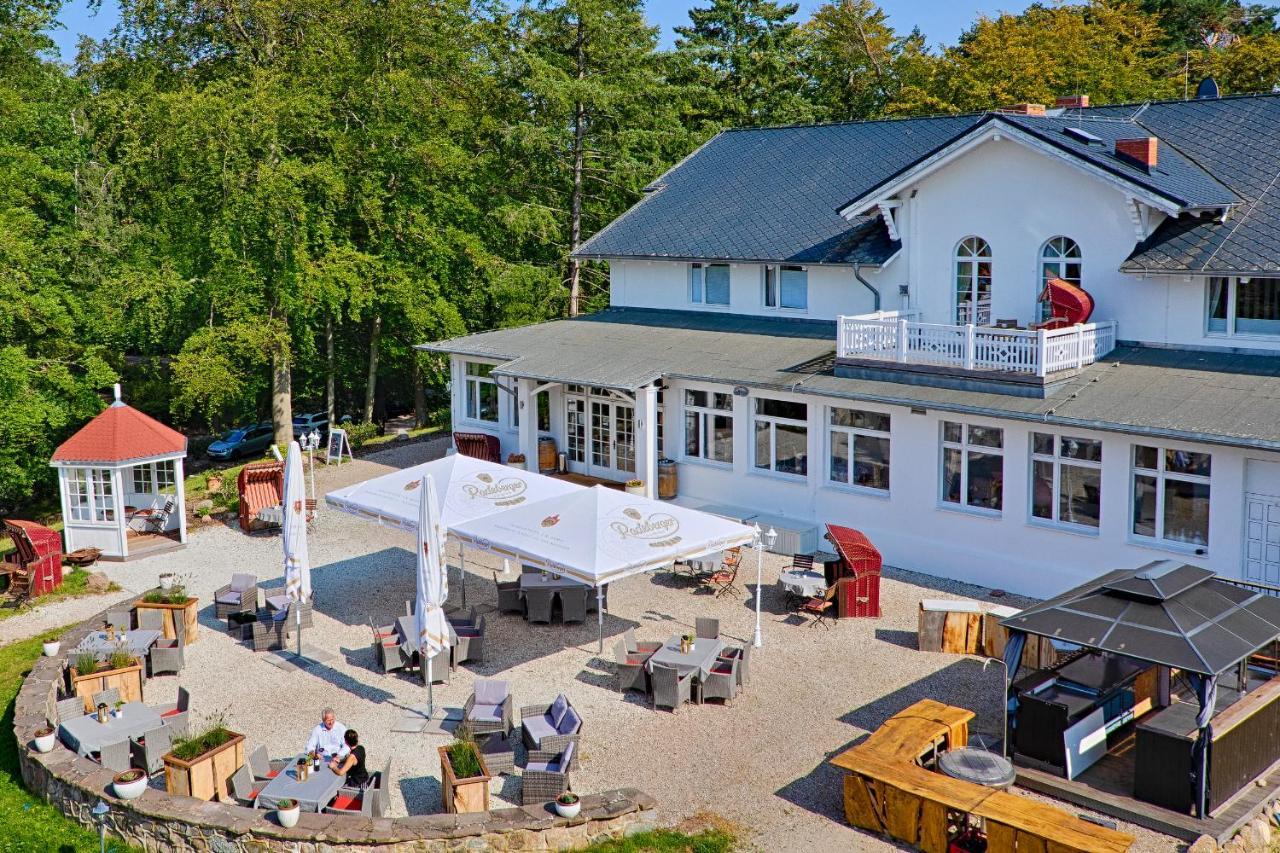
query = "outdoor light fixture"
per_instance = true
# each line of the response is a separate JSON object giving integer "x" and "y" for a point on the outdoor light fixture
{"x": 100, "y": 814}
{"x": 759, "y": 543}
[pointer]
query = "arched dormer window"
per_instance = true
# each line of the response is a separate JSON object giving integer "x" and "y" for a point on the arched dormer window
{"x": 973, "y": 281}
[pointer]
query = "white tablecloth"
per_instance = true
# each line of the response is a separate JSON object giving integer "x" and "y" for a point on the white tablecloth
{"x": 807, "y": 584}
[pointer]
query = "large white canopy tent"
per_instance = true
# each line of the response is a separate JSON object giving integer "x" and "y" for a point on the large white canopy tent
{"x": 468, "y": 488}
{"x": 601, "y": 535}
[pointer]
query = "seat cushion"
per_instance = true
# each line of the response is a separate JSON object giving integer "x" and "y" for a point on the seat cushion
{"x": 539, "y": 727}
{"x": 486, "y": 713}
{"x": 232, "y": 597}
{"x": 541, "y": 766}
{"x": 569, "y": 723}
{"x": 346, "y": 803}
{"x": 490, "y": 692}
{"x": 278, "y": 602}
{"x": 557, "y": 710}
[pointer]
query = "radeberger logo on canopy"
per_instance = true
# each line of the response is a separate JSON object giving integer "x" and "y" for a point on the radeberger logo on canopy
{"x": 659, "y": 529}
{"x": 507, "y": 491}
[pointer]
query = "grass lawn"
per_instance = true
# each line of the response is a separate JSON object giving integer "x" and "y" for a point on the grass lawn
{"x": 668, "y": 841}
{"x": 74, "y": 584}
{"x": 30, "y": 823}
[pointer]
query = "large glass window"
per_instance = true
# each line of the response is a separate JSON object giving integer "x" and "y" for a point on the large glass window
{"x": 142, "y": 480}
{"x": 481, "y": 393}
{"x": 1244, "y": 305}
{"x": 859, "y": 449}
{"x": 575, "y": 421}
{"x": 1060, "y": 258}
{"x": 781, "y": 436}
{"x": 1066, "y": 479}
{"x": 973, "y": 281}
{"x": 973, "y": 466}
{"x": 709, "y": 284}
{"x": 708, "y": 425}
{"x": 1171, "y": 495}
{"x": 78, "y": 495}
{"x": 103, "y": 504}
{"x": 786, "y": 287}
{"x": 165, "y": 477}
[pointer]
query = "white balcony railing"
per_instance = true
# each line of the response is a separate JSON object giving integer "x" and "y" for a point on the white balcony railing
{"x": 896, "y": 336}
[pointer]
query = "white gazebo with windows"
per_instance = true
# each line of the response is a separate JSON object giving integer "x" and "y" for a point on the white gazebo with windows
{"x": 120, "y": 479}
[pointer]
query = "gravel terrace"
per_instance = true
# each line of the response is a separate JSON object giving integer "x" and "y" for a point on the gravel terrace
{"x": 760, "y": 762}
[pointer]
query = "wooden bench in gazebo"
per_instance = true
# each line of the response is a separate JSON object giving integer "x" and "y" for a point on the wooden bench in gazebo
{"x": 888, "y": 792}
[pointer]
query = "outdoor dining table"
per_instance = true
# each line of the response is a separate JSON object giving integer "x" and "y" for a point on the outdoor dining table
{"x": 85, "y": 734}
{"x": 407, "y": 632}
{"x": 138, "y": 641}
{"x": 312, "y": 793}
{"x": 546, "y": 580}
{"x": 699, "y": 659}
{"x": 806, "y": 584}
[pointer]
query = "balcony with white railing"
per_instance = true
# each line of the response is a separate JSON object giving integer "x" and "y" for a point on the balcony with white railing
{"x": 898, "y": 338}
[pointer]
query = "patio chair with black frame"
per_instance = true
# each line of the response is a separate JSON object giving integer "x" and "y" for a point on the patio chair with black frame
{"x": 489, "y": 709}
{"x": 154, "y": 519}
{"x": 546, "y": 775}
{"x": 724, "y": 581}
{"x": 799, "y": 563}
{"x": 820, "y": 608}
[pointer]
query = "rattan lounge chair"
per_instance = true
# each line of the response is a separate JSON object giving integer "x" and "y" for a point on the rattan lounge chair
{"x": 239, "y": 596}
{"x": 551, "y": 728}
{"x": 721, "y": 682}
{"x": 546, "y": 775}
{"x": 630, "y": 668}
{"x": 537, "y": 604}
{"x": 509, "y": 598}
{"x": 573, "y": 604}
{"x": 670, "y": 688}
{"x": 489, "y": 708}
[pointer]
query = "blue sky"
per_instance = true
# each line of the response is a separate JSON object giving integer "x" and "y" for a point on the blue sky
{"x": 940, "y": 21}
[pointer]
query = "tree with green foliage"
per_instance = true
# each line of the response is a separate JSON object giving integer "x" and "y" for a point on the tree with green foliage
{"x": 1199, "y": 24}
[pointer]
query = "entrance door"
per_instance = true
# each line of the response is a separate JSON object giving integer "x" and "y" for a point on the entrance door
{"x": 1262, "y": 538}
{"x": 600, "y": 438}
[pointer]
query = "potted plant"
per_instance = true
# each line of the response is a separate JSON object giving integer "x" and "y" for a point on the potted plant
{"x": 464, "y": 778}
{"x": 120, "y": 670}
{"x": 119, "y": 709}
{"x": 130, "y": 784}
{"x": 635, "y": 487}
{"x": 515, "y": 460}
{"x": 178, "y": 607}
{"x": 45, "y": 739}
{"x": 51, "y": 648}
{"x": 287, "y": 813}
{"x": 166, "y": 581}
{"x": 213, "y": 484}
{"x": 202, "y": 764}
{"x": 568, "y": 804}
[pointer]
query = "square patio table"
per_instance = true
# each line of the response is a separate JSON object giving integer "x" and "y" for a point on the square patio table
{"x": 85, "y": 734}
{"x": 312, "y": 794}
{"x": 408, "y": 634}
{"x": 699, "y": 660}
{"x": 138, "y": 642}
{"x": 536, "y": 580}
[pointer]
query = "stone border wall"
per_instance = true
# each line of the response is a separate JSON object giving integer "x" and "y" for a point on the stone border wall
{"x": 158, "y": 821}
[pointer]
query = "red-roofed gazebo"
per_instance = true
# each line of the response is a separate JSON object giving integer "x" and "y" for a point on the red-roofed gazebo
{"x": 121, "y": 482}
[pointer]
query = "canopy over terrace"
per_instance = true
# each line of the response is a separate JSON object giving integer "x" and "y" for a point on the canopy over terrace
{"x": 1178, "y": 616}
{"x": 600, "y": 535}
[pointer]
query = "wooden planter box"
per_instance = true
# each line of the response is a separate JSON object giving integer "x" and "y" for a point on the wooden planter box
{"x": 463, "y": 795}
{"x": 127, "y": 680}
{"x": 207, "y": 776}
{"x": 175, "y": 615}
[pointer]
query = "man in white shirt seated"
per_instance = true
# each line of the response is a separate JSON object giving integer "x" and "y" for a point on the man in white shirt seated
{"x": 328, "y": 736}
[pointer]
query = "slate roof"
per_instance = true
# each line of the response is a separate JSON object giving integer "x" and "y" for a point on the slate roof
{"x": 771, "y": 194}
{"x": 1214, "y": 397}
{"x": 120, "y": 433}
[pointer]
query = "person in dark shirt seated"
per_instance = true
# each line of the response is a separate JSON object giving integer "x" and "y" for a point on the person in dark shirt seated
{"x": 351, "y": 765}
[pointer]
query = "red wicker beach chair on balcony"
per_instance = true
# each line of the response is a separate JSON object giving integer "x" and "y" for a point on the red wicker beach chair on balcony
{"x": 478, "y": 444}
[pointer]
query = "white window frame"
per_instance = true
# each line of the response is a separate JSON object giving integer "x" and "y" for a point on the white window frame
{"x": 166, "y": 474}
{"x": 698, "y": 284}
{"x": 470, "y": 383}
{"x": 972, "y": 258}
{"x": 1058, "y": 461}
{"x": 850, "y": 433}
{"x": 706, "y": 416}
{"x": 966, "y": 447}
{"x": 773, "y": 421}
{"x": 1161, "y": 475}
{"x": 145, "y": 484}
{"x": 1050, "y": 255}
{"x": 79, "y": 495}
{"x": 1229, "y": 331}
{"x": 771, "y": 287}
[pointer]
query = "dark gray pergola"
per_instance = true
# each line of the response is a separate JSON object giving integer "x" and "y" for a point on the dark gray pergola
{"x": 1165, "y": 613}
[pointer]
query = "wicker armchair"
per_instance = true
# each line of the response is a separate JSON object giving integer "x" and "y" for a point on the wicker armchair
{"x": 177, "y": 717}
{"x": 440, "y": 666}
{"x": 706, "y": 629}
{"x": 148, "y": 751}
{"x": 573, "y": 604}
{"x": 353, "y": 801}
{"x": 509, "y": 598}
{"x": 670, "y": 688}
{"x": 464, "y": 620}
{"x": 115, "y": 756}
{"x": 742, "y": 654}
{"x": 635, "y": 647}
{"x": 470, "y": 643}
{"x": 537, "y": 603}
{"x": 489, "y": 709}
{"x": 389, "y": 655}
{"x": 239, "y": 596}
{"x": 722, "y": 681}
{"x": 168, "y": 655}
{"x": 551, "y": 728}
{"x": 546, "y": 775}
{"x": 266, "y": 634}
{"x": 631, "y": 673}
{"x": 264, "y": 768}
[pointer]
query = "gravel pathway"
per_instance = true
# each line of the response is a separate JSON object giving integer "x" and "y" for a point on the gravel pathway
{"x": 760, "y": 763}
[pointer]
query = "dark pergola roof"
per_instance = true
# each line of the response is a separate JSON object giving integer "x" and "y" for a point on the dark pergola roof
{"x": 1176, "y": 615}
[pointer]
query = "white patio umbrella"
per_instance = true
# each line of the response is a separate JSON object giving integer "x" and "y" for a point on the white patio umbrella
{"x": 600, "y": 535}
{"x": 433, "y": 583}
{"x": 297, "y": 564}
{"x": 467, "y": 488}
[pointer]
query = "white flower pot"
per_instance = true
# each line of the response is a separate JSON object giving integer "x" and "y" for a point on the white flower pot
{"x": 130, "y": 790}
{"x": 166, "y": 582}
{"x": 635, "y": 490}
{"x": 51, "y": 649}
{"x": 570, "y": 810}
{"x": 288, "y": 817}
{"x": 44, "y": 743}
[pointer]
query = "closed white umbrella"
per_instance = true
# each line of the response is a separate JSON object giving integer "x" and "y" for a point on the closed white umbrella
{"x": 297, "y": 564}
{"x": 433, "y": 583}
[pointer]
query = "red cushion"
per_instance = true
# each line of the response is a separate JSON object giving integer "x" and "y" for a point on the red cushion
{"x": 346, "y": 803}
{"x": 722, "y": 670}
{"x": 390, "y": 644}
{"x": 175, "y": 712}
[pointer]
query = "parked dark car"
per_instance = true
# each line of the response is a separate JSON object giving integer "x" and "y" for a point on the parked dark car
{"x": 243, "y": 441}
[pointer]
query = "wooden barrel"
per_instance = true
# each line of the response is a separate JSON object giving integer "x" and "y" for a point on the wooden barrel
{"x": 666, "y": 479}
{"x": 547, "y": 455}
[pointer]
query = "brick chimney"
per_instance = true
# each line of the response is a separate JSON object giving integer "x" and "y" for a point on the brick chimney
{"x": 1142, "y": 151}
{"x": 1024, "y": 109}
{"x": 1072, "y": 102}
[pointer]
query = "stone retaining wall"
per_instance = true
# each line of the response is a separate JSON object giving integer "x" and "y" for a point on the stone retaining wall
{"x": 158, "y": 821}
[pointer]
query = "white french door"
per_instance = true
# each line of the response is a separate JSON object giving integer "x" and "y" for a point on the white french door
{"x": 600, "y": 438}
{"x": 1262, "y": 538}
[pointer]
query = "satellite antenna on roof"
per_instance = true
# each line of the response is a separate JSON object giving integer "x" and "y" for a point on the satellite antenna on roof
{"x": 1207, "y": 90}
